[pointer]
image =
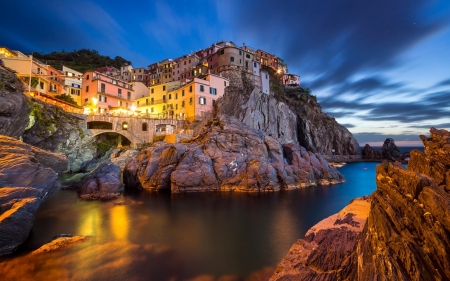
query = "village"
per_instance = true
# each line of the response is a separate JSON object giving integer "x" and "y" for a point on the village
{"x": 185, "y": 88}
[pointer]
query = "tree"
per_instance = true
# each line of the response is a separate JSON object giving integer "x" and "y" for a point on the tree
{"x": 66, "y": 98}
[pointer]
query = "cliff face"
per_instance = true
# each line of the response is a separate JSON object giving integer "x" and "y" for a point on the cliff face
{"x": 14, "y": 109}
{"x": 229, "y": 156}
{"x": 286, "y": 115}
{"x": 407, "y": 234}
{"x": 53, "y": 129}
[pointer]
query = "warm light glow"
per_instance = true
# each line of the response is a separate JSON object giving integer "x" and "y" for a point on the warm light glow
{"x": 119, "y": 221}
{"x": 133, "y": 108}
{"x": 94, "y": 101}
{"x": 279, "y": 71}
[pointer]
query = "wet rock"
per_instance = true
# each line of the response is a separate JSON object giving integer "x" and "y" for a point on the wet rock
{"x": 102, "y": 183}
{"x": 24, "y": 184}
{"x": 229, "y": 156}
{"x": 369, "y": 153}
{"x": 59, "y": 242}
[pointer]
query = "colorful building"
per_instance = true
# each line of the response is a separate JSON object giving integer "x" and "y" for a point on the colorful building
{"x": 290, "y": 80}
{"x": 73, "y": 83}
{"x": 190, "y": 101}
{"x": 105, "y": 94}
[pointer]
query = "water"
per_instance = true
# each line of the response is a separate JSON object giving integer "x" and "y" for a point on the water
{"x": 161, "y": 235}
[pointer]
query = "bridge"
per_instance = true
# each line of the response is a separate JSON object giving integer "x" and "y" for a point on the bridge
{"x": 138, "y": 130}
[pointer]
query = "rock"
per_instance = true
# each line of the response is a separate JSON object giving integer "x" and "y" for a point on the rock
{"x": 61, "y": 132}
{"x": 120, "y": 157}
{"x": 228, "y": 156}
{"x": 389, "y": 150}
{"x": 288, "y": 117}
{"x": 326, "y": 245}
{"x": 102, "y": 183}
{"x": 24, "y": 184}
{"x": 406, "y": 236}
{"x": 59, "y": 242}
{"x": 371, "y": 154}
{"x": 14, "y": 108}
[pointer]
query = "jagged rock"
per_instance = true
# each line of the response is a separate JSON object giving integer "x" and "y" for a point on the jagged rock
{"x": 62, "y": 132}
{"x": 326, "y": 245}
{"x": 120, "y": 157}
{"x": 287, "y": 117}
{"x": 14, "y": 108}
{"x": 102, "y": 183}
{"x": 389, "y": 150}
{"x": 407, "y": 234}
{"x": 24, "y": 184}
{"x": 59, "y": 242}
{"x": 369, "y": 153}
{"x": 228, "y": 155}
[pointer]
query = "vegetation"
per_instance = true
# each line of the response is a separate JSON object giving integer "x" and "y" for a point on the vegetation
{"x": 66, "y": 98}
{"x": 34, "y": 81}
{"x": 81, "y": 60}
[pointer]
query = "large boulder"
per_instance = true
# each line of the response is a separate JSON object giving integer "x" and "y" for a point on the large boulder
{"x": 230, "y": 156}
{"x": 25, "y": 183}
{"x": 14, "y": 108}
{"x": 102, "y": 183}
{"x": 406, "y": 236}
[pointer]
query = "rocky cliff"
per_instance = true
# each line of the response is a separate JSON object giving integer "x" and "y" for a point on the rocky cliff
{"x": 229, "y": 156}
{"x": 407, "y": 233}
{"x": 26, "y": 180}
{"x": 287, "y": 115}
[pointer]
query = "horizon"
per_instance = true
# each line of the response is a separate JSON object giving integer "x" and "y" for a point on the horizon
{"x": 380, "y": 68}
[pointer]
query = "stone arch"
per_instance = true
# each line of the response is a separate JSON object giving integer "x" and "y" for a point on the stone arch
{"x": 115, "y": 138}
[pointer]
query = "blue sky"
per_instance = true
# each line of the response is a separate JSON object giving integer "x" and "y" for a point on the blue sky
{"x": 381, "y": 68}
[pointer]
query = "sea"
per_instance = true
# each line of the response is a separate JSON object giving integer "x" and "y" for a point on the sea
{"x": 163, "y": 236}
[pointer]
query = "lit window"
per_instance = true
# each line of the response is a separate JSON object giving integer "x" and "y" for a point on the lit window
{"x": 202, "y": 100}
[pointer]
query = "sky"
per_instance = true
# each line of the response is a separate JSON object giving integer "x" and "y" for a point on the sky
{"x": 380, "y": 68}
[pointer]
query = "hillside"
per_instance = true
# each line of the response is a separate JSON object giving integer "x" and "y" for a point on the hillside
{"x": 80, "y": 60}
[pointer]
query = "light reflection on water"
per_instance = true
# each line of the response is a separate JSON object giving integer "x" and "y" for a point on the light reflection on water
{"x": 163, "y": 236}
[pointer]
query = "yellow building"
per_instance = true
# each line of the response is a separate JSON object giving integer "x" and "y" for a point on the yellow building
{"x": 190, "y": 101}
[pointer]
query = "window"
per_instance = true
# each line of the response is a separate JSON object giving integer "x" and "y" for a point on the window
{"x": 202, "y": 88}
{"x": 182, "y": 93}
{"x": 151, "y": 109}
{"x": 176, "y": 95}
{"x": 225, "y": 83}
{"x": 176, "y": 106}
{"x": 231, "y": 59}
{"x": 86, "y": 100}
{"x": 153, "y": 90}
{"x": 144, "y": 126}
{"x": 182, "y": 104}
{"x": 254, "y": 64}
{"x": 240, "y": 52}
{"x": 41, "y": 84}
{"x": 152, "y": 100}
{"x": 164, "y": 87}
{"x": 246, "y": 64}
{"x": 128, "y": 95}
{"x": 87, "y": 89}
{"x": 102, "y": 88}
{"x": 170, "y": 96}
{"x": 124, "y": 126}
{"x": 190, "y": 89}
{"x": 202, "y": 101}
{"x": 120, "y": 103}
{"x": 119, "y": 92}
{"x": 146, "y": 101}
{"x": 164, "y": 97}
{"x": 87, "y": 76}
{"x": 213, "y": 91}
{"x": 247, "y": 56}
{"x": 213, "y": 102}
{"x": 190, "y": 100}
{"x": 222, "y": 51}
{"x": 164, "y": 107}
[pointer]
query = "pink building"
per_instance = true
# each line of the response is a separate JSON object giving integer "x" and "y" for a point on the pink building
{"x": 106, "y": 94}
{"x": 290, "y": 79}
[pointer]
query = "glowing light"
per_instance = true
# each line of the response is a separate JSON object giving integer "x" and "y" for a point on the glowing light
{"x": 133, "y": 108}
{"x": 119, "y": 222}
{"x": 94, "y": 101}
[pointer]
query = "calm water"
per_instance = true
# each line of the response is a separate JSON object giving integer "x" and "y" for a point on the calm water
{"x": 161, "y": 235}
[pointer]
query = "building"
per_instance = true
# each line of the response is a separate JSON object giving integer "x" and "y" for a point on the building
{"x": 105, "y": 94}
{"x": 73, "y": 83}
{"x": 183, "y": 68}
{"x": 290, "y": 80}
{"x": 125, "y": 72}
{"x": 55, "y": 81}
{"x": 166, "y": 69}
{"x": 191, "y": 101}
{"x": 140, "y": 74}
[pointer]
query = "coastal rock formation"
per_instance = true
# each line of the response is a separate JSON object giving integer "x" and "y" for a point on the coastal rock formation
{"x": 371, "y": 154}
{"x": 286, "y": 115}
{"x": 102, "y": 183}
{"x": 389, "y": 150}
{"x": 230, "y": 156}
{"x": 326, "y": 246}
{"x": 406, "y": 236}
{"x": 25, "y": 183}
{"x": 14, "y": 109}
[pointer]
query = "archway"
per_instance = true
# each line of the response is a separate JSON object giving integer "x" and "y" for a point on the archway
{"x": 110, "y": 140}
